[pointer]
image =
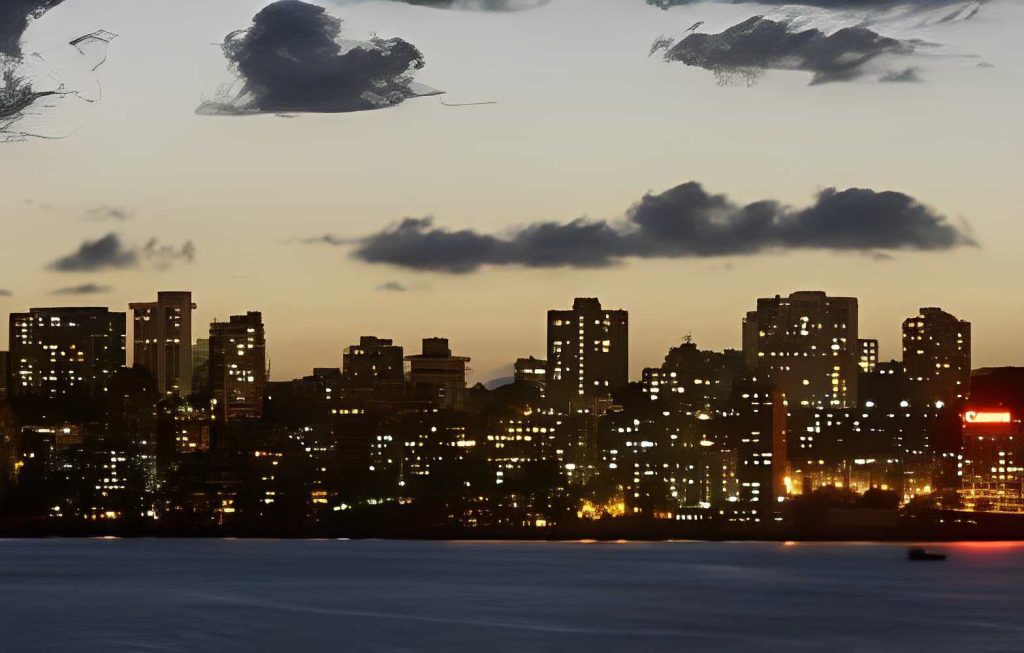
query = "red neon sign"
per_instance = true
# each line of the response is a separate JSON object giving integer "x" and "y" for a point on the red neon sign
{"x": 987, "y": 417}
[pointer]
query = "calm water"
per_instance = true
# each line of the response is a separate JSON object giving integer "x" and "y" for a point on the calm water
{"x": 226, "y": 595}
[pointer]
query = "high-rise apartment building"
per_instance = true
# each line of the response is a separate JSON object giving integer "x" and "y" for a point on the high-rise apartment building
{"x": 238, "y": 366}
{"x": 65, "y": 352}
{"x": 588, "y": 352}
{"x": 376, "y": 366}
{"x": 937, "y": 356}
{"x": 807, "y": 345}
{"x": 437, "y": 375}
{"x": 162, "y": 340}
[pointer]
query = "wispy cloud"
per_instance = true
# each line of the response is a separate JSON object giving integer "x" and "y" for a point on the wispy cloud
{"x": 111, "y": 253}
{"x": 83, "y": 289}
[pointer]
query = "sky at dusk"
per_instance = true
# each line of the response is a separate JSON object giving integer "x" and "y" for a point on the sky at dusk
{"x": 568, "y": 116}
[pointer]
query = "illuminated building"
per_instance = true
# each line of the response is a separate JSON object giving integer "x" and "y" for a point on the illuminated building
{"x": 436, "y": 375}
{"x": 588, "y": 352}
{"x": 868, "y": 354}
{"x": 238, "y": 366}
{"x": 807, "y": 346}
{"x": 374, "y": 367}
{"x": 65, "y": 352}
{"x": 163, "y": 340}
{"x": 992, "y": 473}
{"x": 756, "y": 427}
{"x": 937, "y": 356}
{"x": 533, "y": 371}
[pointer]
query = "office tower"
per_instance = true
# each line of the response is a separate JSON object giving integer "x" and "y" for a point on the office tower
{"x": 201, "y": 366}
{"x": 65, "y": 352}
{"x": 375, "y": 367}
{"x": 238, "y": 366}
{"x": 868, "y": 355}
{"x": 533, "y": 371}
{"x": 588, "y": 352}
{"x": 163, "y": 340}
{"x": 937, "y": 357}
{"x": 437, "y": 375}
{"x": 807, "y": 345}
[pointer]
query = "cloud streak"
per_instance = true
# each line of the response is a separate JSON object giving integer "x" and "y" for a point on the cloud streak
{"x": 683, "y": 222}
{"x": 114, "y": 213}
{"x": 111, "y": 253}
{"x": 291, "y": 60}
{"x": 83, "y": 289}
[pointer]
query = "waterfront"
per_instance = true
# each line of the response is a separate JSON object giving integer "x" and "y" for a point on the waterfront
{"x": 313, "y": 595}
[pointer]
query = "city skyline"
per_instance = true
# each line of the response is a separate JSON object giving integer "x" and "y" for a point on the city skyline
{"x": 503, "y": 372}
{"x": 554, "y": 148}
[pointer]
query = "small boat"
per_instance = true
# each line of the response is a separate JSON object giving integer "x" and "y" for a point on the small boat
{"x": 922, "y": 554}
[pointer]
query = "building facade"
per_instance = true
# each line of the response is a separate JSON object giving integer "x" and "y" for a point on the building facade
{"x": 807, "y": 345}
{"x": 374, "y": 367}
{"x": 937, "y": 357}
{"x": 238, "y": 366}
{"x": 588, "y": 352}
{"x": 162, "y": 340}
{"x": 65, "y": 352}
{"x": 437, "y": 375}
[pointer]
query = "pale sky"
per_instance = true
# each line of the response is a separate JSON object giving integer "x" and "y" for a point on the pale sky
{"x": 585, "y": 124}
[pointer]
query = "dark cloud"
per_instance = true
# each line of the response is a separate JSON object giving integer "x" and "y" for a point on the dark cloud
{"x": 683, "y": 222}
{"x": 116, "y": 213}
{"x": 83, "y": 289}
{"x": 827, "y": 4}
{"x": 15, "y": 16}
{"x": 111, "y": 253}
{"x": 758, "y": 44}
{"x": 291, "y": 60}
{"x": 6, "y": 293}
{"x": 392, "y": 286}
{"x": 478, "y": 5}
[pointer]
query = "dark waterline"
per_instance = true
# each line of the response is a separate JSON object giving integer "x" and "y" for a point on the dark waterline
{"x": 327, "y": 595}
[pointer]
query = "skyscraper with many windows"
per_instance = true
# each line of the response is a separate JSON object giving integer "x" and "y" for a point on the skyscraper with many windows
{"x": 65, "y": 352}
{"x": 238, "y": 366}
{"x": 807, "y": 345}
{"x": 162, "y": 340}
{"x": 588, "y": 352}
{"x": 937, "y": 356}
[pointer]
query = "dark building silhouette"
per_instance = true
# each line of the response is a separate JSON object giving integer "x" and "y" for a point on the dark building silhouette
{"x": 238, "y": 366}
{"x": 807, "y": 345}
{"x": 65, "y": 352}
{"x": 588, "y": 352}
{"x": 374, "y": 367}
{"x": 937, "y": 356}
{"x": 5, "y": 366}
{"x": 162, "y": 340}
{"x": 437, "y": 375}
{"x": 201, "y": 367}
